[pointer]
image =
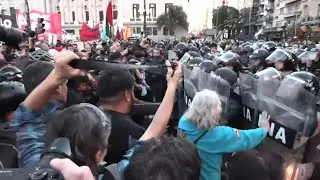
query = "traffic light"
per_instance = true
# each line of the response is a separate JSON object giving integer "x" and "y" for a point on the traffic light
{"x": 40, "y": 26}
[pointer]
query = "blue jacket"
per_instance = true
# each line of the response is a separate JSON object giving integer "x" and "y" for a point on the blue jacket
{"x": 218, "y": 141}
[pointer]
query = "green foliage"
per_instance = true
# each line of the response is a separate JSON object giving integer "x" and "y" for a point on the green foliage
{"x": 175, "y": 17}
{"x": 245, "y": 15}
{"x": 225, "y": 16}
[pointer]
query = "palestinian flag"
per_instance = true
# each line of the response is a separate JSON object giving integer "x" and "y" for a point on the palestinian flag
{"x": 109, "y": 21}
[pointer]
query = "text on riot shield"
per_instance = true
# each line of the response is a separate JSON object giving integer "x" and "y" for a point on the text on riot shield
{"x": 281, "y": 133}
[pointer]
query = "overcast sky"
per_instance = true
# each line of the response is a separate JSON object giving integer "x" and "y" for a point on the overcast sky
{"x": 197, "y": 12}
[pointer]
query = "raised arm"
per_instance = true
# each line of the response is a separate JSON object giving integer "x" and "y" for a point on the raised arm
{"x": 240, "y": 140}
{"x": 40, "y": 96}
{"x": 163, "y": 114}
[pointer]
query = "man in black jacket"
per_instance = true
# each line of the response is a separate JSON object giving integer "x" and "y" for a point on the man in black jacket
{"x": 11, "y": 95}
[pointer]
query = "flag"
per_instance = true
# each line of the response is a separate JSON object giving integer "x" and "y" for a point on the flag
{"x": 89, "y": 34}
{"x": 109, "y": 20}
{"x": 103, "y": 33}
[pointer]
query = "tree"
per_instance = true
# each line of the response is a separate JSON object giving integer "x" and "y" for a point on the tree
{"x": 224, "y": 17}
{"x": 175, "y": 17}
{"x": 245, "y": 15}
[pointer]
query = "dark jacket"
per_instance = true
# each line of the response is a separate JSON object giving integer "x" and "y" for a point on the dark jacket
{"x": 8, "y": 150}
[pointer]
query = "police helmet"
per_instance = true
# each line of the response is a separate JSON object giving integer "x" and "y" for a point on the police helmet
{"x": 180, "y": 49}
{"x": 278, "y": 55}
{"x": 208, "y": 66}
{"x": 195, "y": 61}
{"x": 261, "y": 54}
{"x": 270, "y": 46}
{"x": 11, "y": 95}
{"x": 194, "y": 54}
{"x": 205, "y": 50}
{"x": 40, "y": 55}
{"x": 211, "y": 57}
{"x": 309, "y": 80}
{"x": 269, "y": 73}
{"x": 227, "y": 74}
{"x": 10, "y": 73}
{"x": 194, "y": 48}
{"x": 228, "y": 58}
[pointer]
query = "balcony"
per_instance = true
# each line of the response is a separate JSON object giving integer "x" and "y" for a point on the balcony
{"x": 269, "y": 8}
{"x": 291, "y": 1}
{"x": 268, "y": 18}
{"x": 291, "y": 14}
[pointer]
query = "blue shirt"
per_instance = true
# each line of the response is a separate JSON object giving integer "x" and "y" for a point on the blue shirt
{"x": 31, "y": 126}
{"x": 218, "y": 141}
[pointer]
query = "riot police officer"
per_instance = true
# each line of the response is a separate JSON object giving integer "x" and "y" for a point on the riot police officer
{"x": 257, "y": 60}
{"x": 270, "y": 46}
{"x": 234, "y": 105}
{"x": 230, "y": 60}
{"x": 11, "y": 95}
{"x": 309, "y": 80}
{"x": 208, "y": 66}
{"x": 282, "y": 61}
{"x": 194, "y": 62}
{"x": 180, "y": 49}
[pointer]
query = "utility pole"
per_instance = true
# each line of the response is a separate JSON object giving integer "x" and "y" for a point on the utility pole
{"x": 250, "y": 14}
{"x": 145, "y": 18}
{"x": 217, "y": 28}
{"x": 27, "y": 13}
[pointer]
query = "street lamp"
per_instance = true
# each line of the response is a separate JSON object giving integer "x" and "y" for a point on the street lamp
{"x": 144, "y": 17}
{"x": 144, "y": 13}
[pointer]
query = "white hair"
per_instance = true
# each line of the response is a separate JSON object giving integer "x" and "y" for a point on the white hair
{"x": 205, "y": 109}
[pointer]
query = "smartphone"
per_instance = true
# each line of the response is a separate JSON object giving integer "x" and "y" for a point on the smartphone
{"x": 172, "y": 55}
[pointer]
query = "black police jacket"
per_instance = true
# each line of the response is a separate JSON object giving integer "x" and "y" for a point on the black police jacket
{"x": 8, "y": 150}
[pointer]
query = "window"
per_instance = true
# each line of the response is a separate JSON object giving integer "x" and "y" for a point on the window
{"x": 101, "y": 16}
{"x": 165, "y": 31}
{"x": 171, "y": 32}
{"x": 138, "y": 30}
{"x": 155, "y": 31}
{"x": 281, "y": 10}
{"x": 87, "y": 15}
{"x": 73, "y": 16}
{"x": 318, "y": 10}
{"x": 149, "y": 31}
{"x": 152, "y": 10}
{"x": 289, "y": 9}
{"x": 167, "y": 5}
{"x": 135, "y": 10}
{"x": 115, "y": 14}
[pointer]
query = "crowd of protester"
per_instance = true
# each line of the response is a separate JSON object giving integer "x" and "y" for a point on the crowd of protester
{"x": 127, "y": 121}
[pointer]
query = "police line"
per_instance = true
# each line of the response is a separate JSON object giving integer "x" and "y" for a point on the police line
{"x": 291, "y": 125}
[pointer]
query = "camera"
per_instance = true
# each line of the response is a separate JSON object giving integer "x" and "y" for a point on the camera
{"x": 60, "y": 148}
{"x": 13, "y": 37}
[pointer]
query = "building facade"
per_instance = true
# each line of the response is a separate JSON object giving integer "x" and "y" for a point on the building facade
{"x": 131, "y": 14}
{"x": 285, "y": 19}
{"x": 75, "y": 12}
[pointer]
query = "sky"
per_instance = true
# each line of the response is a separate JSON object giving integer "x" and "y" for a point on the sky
{"x": 198, "y": 10}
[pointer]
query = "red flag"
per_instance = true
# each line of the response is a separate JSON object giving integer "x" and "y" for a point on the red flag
{"x": 119, "y": 35}
{"x": 109, "y": 14}
{"x": 89, "y": 34}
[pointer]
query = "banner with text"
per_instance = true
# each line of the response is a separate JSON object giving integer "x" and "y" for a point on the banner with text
{"x": 52, "y": 23}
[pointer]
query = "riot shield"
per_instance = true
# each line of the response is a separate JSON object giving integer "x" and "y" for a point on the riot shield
{"x": 292, "y": 110}
{"x": 196, "y": 80}
{"x": 293, "y": 120}
{"x": 222, "y": 87}
{"x": 190, "y": 89}
{"x": 248, "y": 89}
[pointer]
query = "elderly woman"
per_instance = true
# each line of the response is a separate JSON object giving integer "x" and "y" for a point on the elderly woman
{"x": 200, "y": 125}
